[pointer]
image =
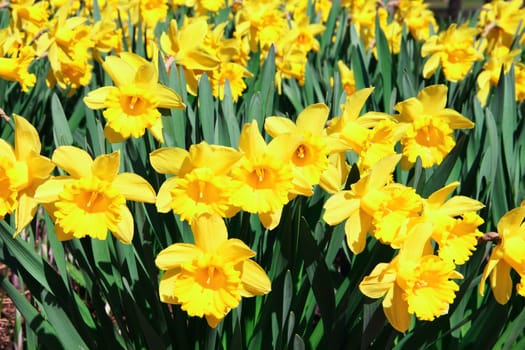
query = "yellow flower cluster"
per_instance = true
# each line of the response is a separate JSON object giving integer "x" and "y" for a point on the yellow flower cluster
{"x": 208, "y": 278}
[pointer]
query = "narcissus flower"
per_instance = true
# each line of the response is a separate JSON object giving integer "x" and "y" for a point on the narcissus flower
{"x": 210, "y": 277}
{"x": 414, "y": 282}
{"x": 455, "y": 223}
{"x": 508, "y": 254}
{"x": 266, "y": 175}
{"x": 16, "y": 68}
{"x": 132, "y": 105}
{"x": 92, "y": 200}
{"x": 22, "y": 170}
{"x": 351, "y": 205}
{"x": 500, "y": 58}
{"x": 454, "y": 49}
{"x": 430, "y": 135}
{"x": 310, "y": 158}
{"x": 200, "y": 185}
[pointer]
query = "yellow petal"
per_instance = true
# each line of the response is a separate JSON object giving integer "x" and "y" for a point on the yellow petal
{"x": 25, "y": 212}
{"x": 223, "y": 157}
{"x": 163, "y": 202}
{"x": 167, "y": 286}
{"x": 6, "y": 150}
{"x": 501, "y": 282}
{"x": 74, "y": 160}
{"x": 234, "y": 250}
{"x": 176, "y": 254}
{"x": 313, "y": 118}
{"x": 27, "y": 141}
{"x": 255, "y": 281}
{"x": 209, "y": 231}
{"x": 439, "y": 196}
{"x": 156, "y": 130}
{"x": 354, "y": 103}
{"x": 135, "y": 188}
{"x": 356, "y": 228}
{"x": 433, "y": 98}
{"x": 491, "y": 264}
{"x": 339, "y": 207}
{"x": 106, "y": 166}
{"x": 271, "y": 219}
{"x": 169, "y": 160}
{"x": 145, "y": 75}
{"x": 511, "y": 220}
{"x": 430, "y": 66}
{"x": 49, "y": 190}
{"x": 279, "y": 125}
{"x": 113, "y": 136}
{"x": 378, "y": 282}
{"x": 382, "y": 170}
{"x": 120, "y": 72}
{"x": 124, "y": 231}
{"x": 459, "y": 205}
{"x": 168, "y": 98}
{"x": 396, "y": 309}
{"x": 251, "y": 141}
{"x": 96, "y": 99}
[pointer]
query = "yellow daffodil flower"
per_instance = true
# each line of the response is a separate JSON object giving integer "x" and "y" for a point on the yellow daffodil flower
{"x": 414, "y": 282}
{"x": 351, "y": 205}
{"x": 508, "y": 254}
{"x": 430, "y": 135}
{"x": 92, "y": 199}
{"x": 22, "y": 170}
{"x": 310, "y": 158}
{"x": 266, "y": 175}
{"x": 454, "y": 49}
{"x": 500, "y": 20}
{"x": 499, "y": 58}
{"x": 186, "y": 48}
{"x": 210, "y": 277}
{"x": 16, "y": 68}
{"x": 132, "y": 105}
{"x": 372, "y": 136}
{"x": 455, "y": 223}
{"x": 347, "y": 78}
{"x": 418, "y": 18}
{"x": 200, "y": 185}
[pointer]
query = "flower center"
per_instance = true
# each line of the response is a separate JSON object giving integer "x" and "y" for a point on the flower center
{"x": 89, "y": 206}
{"x": 211, "y": 277}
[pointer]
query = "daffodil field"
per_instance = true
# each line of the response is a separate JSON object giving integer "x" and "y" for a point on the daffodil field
{"x": 199, "y": 174}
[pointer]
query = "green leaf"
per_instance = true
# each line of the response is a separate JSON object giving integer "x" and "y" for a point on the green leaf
{"x": 61, "y": 131}
{"x": 206, "y": 109}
